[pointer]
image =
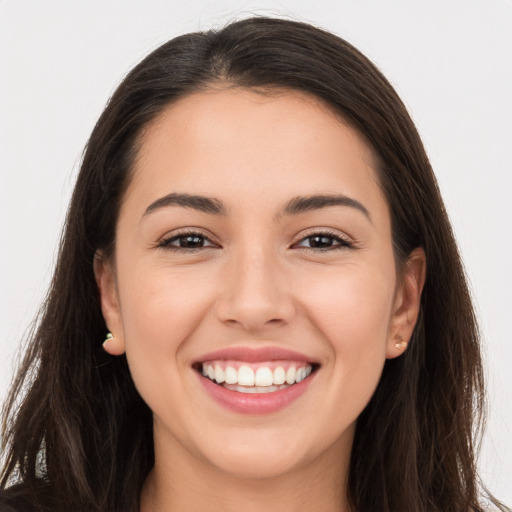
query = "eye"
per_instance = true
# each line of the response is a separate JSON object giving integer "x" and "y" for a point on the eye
{"x": 186, "y": 241}
{"x": 324, "y": 241}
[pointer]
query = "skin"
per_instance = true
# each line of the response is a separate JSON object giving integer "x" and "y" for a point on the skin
{"x": 256, "y": 282}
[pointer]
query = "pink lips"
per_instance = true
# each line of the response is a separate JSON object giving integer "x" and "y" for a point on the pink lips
{"x": 256, "y": 355}
{"x": 255, "y": 403}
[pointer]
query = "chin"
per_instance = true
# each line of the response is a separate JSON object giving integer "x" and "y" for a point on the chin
{"x": 256, "y": 464}
{"x": 263, "y": 454}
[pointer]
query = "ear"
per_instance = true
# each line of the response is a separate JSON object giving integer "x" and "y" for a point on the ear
{"x": 407, "y": 303}
{"x": 104, "y": 273}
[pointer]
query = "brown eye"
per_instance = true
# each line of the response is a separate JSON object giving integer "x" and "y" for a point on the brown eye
{"x": 320, "y": 241}
{"x": 190, "y": 241}
{"x": 323, "y": 241}
{"x": 186, "y": 241}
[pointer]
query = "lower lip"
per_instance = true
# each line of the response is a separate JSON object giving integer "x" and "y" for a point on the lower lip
{"x": 255, "y": 403}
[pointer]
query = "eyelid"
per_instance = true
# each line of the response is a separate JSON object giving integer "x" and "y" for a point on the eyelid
{"x": 165, "y": 241}
{"x": 344, "y": 241}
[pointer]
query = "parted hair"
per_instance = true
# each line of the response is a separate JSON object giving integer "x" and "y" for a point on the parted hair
{"x": 77, "y": 436}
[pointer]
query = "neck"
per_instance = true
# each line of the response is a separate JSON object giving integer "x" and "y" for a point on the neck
{"x": 195, "y": 485}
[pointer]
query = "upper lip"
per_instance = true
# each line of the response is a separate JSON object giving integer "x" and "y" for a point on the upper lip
{"x": 255, "y": 355}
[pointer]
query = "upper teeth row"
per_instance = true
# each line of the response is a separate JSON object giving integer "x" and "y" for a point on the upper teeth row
{"x": 245, "y": 376}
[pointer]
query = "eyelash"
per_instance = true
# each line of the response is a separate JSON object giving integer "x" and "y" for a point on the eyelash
{"x": 342, "y": 243}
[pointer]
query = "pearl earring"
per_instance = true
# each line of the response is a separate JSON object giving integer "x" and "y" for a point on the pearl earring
{"x": 109, "y": 337}
{"x": 401, "y": 343}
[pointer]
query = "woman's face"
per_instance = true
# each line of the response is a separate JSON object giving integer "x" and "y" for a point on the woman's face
{"x": 254, "y": 242}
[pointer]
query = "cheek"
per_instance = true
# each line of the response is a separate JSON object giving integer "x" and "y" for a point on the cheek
{"x": 160, "y": 312}
{"x": 162, "y": 305}
{"x": 352, "y": 305}
{"x": 352, "y": 312}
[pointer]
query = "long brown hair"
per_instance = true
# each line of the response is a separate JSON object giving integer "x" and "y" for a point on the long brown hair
{"x": 76, "y": 434}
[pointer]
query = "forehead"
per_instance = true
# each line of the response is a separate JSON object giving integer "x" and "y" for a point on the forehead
{"x": 251, "y": 144}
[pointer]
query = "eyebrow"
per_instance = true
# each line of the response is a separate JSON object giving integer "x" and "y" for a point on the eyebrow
{"x": 295, "y": 206}
{"x": 302, "y": 204}
{"x": 200, "y": 203}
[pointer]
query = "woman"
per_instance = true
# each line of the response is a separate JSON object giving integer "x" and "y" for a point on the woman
{"x": 257, "y": 228}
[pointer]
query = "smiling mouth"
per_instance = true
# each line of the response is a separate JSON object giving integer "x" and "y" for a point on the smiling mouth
{"x": 244, "y": 377}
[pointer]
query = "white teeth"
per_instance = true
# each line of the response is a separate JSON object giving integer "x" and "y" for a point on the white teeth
{"x": 300, "y": 375}
{"x": 219, "y": 374}
{"x": 245, "y": 376}
{"x": 279, "y": 376}
{"x": 290, "y": 375}
{"x": 255, "y": 389}
{"x": 263, "y": 377}
{"x": 231, "y": 375}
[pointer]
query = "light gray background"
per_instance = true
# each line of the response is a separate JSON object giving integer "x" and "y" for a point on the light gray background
{"x": 451, "y": 61}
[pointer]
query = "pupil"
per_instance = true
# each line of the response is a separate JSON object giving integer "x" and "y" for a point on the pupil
{"x": 320, "y": 241}
{"x": 191, "y": 241}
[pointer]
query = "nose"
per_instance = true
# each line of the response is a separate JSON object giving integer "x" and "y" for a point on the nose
{"x": 255, "y": 294}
